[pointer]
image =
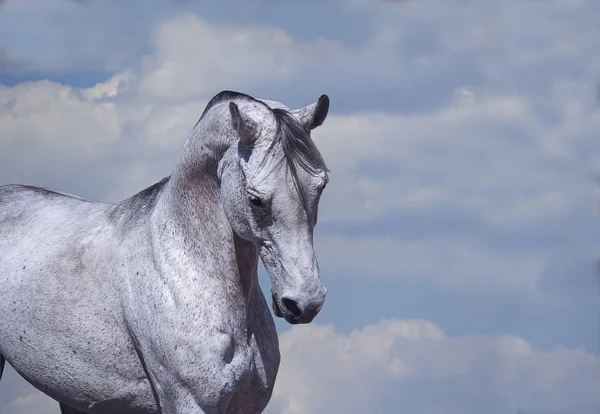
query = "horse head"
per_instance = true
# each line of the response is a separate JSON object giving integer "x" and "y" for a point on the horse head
{"x": 271, "y": 184}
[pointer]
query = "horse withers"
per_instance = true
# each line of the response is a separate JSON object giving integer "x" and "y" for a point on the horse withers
{"x": 152, "y": 305}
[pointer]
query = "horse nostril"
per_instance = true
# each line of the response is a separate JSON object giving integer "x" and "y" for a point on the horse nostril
{"x": 292, "y": 307}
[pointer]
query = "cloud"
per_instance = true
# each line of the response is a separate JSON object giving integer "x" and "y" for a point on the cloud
{"x": 87, "y": 140}
{"x": 412, "y": 366}
{"x": 34, "y": 403}
{"x": 451, "y": 156}
{"x": 31, "y": 105}
{"x": 208, "y": 55}
{"x": 18, "y": 397}
{"x": 68, "y": 42}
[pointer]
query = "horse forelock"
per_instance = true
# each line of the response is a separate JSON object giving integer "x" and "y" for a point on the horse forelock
{"x": 299, "y": 151}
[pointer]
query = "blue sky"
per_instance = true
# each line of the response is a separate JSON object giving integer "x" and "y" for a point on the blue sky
{"x": 458, "y": 237}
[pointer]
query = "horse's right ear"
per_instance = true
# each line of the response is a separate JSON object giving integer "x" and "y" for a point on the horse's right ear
{"x": 246, "y": 127}
{"x": 314, "y": 114}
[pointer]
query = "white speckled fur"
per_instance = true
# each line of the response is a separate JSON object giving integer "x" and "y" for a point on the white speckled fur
{"x": 153, "y": 304}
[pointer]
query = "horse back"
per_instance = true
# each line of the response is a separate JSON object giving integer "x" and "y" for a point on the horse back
{"x": 39, "y": 209}
{"x": 39, "y": 225}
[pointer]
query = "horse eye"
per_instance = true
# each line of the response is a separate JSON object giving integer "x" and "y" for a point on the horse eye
{"x": 255, "y": 201}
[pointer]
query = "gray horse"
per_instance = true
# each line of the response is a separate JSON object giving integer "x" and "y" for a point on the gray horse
{"x": 152, "y": 305}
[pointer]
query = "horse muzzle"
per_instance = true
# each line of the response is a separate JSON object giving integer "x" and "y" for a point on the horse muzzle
{"x": 298, "y": 312}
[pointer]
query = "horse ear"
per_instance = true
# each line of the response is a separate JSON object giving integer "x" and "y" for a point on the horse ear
{"x": 314, "y": 114}
{"x": 246, "y": 127}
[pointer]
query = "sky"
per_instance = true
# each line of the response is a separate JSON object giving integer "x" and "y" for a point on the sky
{"x": 458, "y": 237}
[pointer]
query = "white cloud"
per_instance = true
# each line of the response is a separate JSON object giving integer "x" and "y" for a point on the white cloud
{"x": 58, "y": 135}
{"x": 415, "y": 366}
{"x": 490, "y": 153}
{"x": 207, "y": 56}
{"x": 412, "y": 366}
{"x": 22, "y": 398}
{"x": 56, "y": 117}
{"x": 210, "y": 57}
{"x": 34, "y": 403}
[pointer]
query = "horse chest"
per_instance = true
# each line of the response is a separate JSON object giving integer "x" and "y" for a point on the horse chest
{"x": 254, "y": 373}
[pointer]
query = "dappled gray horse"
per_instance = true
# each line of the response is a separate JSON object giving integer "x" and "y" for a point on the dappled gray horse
{"x": 153, "y": 304}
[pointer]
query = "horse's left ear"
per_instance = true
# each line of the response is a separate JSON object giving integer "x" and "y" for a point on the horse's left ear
{"x": 314, "y": 114}
{"x": 245, "y": 126}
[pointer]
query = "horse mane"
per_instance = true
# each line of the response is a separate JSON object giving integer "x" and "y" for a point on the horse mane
{"x": 299, "y": 151}
{"x": 227, "y": 96}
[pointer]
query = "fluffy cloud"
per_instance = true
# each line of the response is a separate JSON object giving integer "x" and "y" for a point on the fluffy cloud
{"x": 18, "y": 397}
{"x": 414, "y": 366}
{"x": 37, "y": 111}
{"x": 88, "y": 140}
{"x": 33, "y": 403}
{"x": 490, "y": 153}
{"x": 411, "y": 365}
{"x": 207, "y": 55}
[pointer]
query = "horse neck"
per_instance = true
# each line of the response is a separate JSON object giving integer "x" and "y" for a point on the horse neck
{"x": 190, "y": 207}
{"x": 193, "y": 188}
{"x": 196, "y": 168}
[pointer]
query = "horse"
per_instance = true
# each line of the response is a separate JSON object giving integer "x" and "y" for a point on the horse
{"x": 152, "y": 304}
